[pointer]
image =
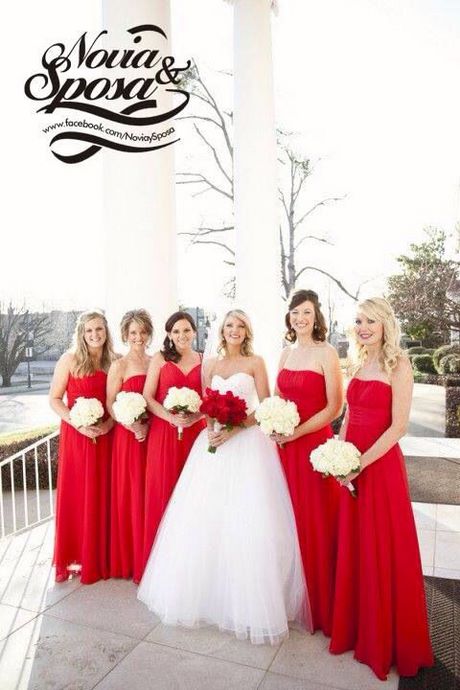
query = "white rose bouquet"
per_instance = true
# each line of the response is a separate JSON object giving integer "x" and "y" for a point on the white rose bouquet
{"x": 277, "y": 416}
{"x": 182, "y": 401}
{"x": 129, "y": 407}
{"x": 86, "y": 412}
{"x": 336, "y": 459}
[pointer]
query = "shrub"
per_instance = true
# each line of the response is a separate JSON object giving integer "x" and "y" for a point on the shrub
{"x": 452, "y": 406}
{"x": 443, "y": 351}
{"x": 450, "y": 364}
{"x": 424, "y": 364}
{"x": 11, "y": 444}
{"x": 417, "y": 350}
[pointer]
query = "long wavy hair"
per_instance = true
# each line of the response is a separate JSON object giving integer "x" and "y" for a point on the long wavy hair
{"x": 169, "y": 351}
{"x": 84, "y": 365}
{"x": 246, "y": 346}
{"x": 319, "y": 327}
{"x": 379, "y": 309}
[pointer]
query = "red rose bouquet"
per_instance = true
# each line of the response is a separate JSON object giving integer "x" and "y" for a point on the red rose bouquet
{"x": 225, "y": 409}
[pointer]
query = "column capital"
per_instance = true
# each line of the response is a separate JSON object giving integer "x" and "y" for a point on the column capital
{"x": 273, "y": 3}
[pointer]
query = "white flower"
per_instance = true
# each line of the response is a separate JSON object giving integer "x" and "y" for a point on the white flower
{"x": 86, "y": 412}
{"x": 182, "y": 400}
{"x": 335, "y": 458}
{"x": 129, "y": 407}
{"x": 277, "y": 416}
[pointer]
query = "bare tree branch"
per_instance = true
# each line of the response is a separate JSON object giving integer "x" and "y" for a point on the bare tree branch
{"x": 324, "y": 202}
{"x": 325, "y": 273}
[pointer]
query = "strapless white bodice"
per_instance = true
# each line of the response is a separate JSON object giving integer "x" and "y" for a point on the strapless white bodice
{"x": 241, "y": 385}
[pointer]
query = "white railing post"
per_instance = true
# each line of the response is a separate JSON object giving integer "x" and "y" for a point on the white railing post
{"x": 50, "y": 478}
{"x": 21, "y": 457}
{"x": 2, "y": 516}
{"x": 24, "y": 481}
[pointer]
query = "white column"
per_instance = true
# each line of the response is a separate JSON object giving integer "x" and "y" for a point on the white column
{"x": 258, "y": 288}
{"x": 139, "y": 200}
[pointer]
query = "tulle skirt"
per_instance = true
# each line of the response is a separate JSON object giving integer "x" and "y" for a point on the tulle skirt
{"x": 226, "y": 552}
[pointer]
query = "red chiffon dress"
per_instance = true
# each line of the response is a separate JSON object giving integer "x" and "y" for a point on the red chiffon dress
{"x": 128, "y": 496}
{"x": 166, "y": 454}
{"x": 315, "y": 499}
{"x": 83, "y": 492}
{"x": 379, "y": 604}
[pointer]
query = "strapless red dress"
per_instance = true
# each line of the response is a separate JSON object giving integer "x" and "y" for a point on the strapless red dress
{"x": 379, "y": 604}
{"x": 83, "y": 492}
{"x": 166, "y": 454}
{"x": 128, "y": 496}
{"x": 314, "y": 498}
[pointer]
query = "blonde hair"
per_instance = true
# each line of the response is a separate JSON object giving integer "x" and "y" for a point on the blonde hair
{"x": 246, "y": 346}
{"x": 141, "y": 317}
{"x": 84, "y": 365}
{"x": 378, "y": 309}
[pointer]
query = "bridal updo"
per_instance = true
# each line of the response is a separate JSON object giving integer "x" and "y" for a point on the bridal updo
{"x": 379, "y": 309}
{"x": 247, "y": 345}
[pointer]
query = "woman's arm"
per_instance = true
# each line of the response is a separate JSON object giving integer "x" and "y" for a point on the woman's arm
{"x": 57, "y": 391}
{"x": 402, "y": 383}
{"x": 344, "y": 426}
{"x": 150, "y": 389}
{"x": 59, "y": 385}
{"x": 114, "y": 384}
{"x": 281, "y": 363}
{"x": 334, "y": 395}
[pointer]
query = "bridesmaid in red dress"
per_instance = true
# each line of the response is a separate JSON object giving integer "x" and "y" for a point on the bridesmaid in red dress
{"x": 83, "y": 488}
{"x": 177, "y": 364}
{"x": 379, "y": 606}
{"x": 309, "y": 375}
{"x": 129, "y": 451}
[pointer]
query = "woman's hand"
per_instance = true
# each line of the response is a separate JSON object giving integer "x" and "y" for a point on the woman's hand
{"x": 217, "y": 438}
{"x": 349, "y": 478}
{"x": 91, "y": 432}
{"x": 103, "y": 427}
{"x": 141, "y": 431}
{"x": 281, "y": 440}
{"x": 136, "y": 427}
{"x": 184, "y": 420}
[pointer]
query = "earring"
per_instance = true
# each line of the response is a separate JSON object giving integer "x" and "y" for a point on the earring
{"x": 170, "y": 342}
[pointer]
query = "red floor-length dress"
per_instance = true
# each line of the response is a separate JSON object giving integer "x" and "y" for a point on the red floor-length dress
{"x": 83, "y": 492}
{"x": 379, "y": 604}
{"x": 166, "y": 454}
{"x": 314, "y": 498}
{"x": 128, "y": 496}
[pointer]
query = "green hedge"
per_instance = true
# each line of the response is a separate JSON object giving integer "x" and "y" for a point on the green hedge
{"x": 417, "y": 350}
{"x": 443, "y": 351}
{"x": 450, "y": 364}
{"x": 13, "y": 443}
{"x": 424, "y": 364}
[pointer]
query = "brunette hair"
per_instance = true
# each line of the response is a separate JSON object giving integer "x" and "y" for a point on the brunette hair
{"x": 141, "y": 317}
{"x": 246, "y": 346}
{"x": 319, "y": 328}
{"x": 84, "y": 365}
{"x": 169, "y": 351}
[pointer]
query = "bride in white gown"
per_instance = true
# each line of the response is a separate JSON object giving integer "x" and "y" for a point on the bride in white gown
{"x": 226, "y": 552}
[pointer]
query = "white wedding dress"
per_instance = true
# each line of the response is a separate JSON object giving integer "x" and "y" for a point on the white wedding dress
{"x": 226, "y": 552}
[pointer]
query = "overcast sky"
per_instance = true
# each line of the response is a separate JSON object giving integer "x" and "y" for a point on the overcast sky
{"x": 370, "y": 87}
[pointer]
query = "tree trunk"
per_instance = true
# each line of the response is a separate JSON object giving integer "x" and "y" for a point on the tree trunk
{"x": 6, "y": 380}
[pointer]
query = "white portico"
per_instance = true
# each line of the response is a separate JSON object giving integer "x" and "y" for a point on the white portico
{"x": 139, "y": 188}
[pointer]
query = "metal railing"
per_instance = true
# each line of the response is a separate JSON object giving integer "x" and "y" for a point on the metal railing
{"x": 10, "y": 504}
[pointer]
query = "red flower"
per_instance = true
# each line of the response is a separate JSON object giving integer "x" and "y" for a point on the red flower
{"x": 226, "y": 408}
